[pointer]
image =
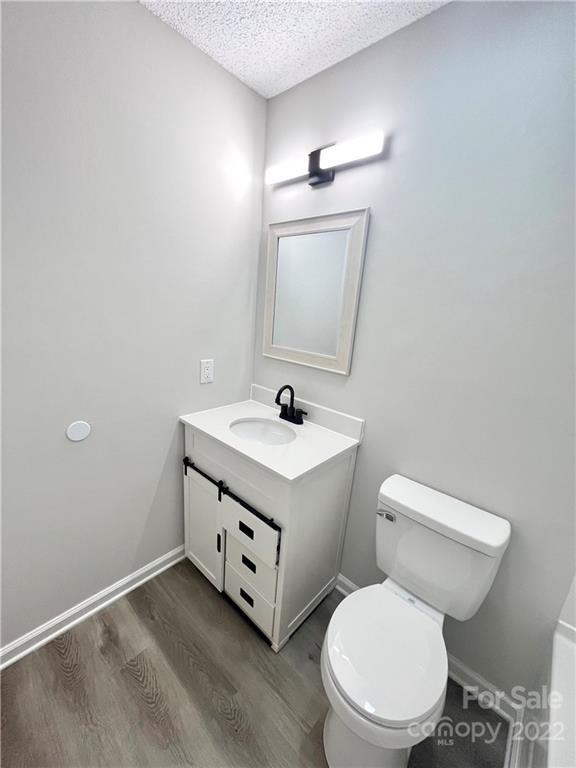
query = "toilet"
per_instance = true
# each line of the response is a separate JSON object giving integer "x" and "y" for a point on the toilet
{"x": 384, "y": 663}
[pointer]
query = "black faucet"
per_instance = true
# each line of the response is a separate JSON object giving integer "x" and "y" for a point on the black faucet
{"x": 288, "y": 412}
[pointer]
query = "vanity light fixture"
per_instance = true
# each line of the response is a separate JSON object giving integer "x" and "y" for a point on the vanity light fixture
{"x": 345, "y": 152}
{"x": 320, "y": 166}
{"x": 290, "y": 170}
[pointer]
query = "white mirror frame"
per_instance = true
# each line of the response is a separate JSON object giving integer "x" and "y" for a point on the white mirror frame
{"x": 357, "y": 223}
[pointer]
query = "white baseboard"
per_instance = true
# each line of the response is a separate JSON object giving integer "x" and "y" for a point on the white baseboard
{"x": 467, "y": 678}
{"x": 51, "y": 629}
{"x": 345, "y": 586}
{"x": 464, "y": 676}
{"x": 501, "y": 704}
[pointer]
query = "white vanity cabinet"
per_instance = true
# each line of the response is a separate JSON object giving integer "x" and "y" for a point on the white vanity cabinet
{"x": 271, "y": 542}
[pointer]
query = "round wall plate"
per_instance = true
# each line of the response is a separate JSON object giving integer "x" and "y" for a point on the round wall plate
{"x": 78, "y": 430}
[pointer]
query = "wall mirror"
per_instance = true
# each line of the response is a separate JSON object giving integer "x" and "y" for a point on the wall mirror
{"x": 314, "y": 272}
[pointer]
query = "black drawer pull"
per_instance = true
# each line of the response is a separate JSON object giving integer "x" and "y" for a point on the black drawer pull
{"x": 247, "y": 597}
{"x": 249, "y": 564}
{"x": 245, "y": 529}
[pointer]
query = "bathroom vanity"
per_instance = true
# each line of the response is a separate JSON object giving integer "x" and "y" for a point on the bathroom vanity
{"x": 265, "y": 506}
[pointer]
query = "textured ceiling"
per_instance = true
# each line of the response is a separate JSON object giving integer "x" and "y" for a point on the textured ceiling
{"x": 272, "y": 45}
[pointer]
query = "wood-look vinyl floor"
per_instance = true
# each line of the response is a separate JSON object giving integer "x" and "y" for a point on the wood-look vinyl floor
{"x": 173, "y": 675}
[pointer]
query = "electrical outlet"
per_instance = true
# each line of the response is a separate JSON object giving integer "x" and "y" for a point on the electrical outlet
{"x": 206, "y": 371}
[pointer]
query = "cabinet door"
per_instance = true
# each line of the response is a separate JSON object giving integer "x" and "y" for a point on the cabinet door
{"x": 204, "y": 541}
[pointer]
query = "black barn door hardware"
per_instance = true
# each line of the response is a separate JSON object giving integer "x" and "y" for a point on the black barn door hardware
{"x": 223, "y": 490}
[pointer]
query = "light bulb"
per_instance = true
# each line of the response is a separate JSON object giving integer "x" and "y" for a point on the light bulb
{"x": 350, "y": 151}
{"x": 294, "y": 168}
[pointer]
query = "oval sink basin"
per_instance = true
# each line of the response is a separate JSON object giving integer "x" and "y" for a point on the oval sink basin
{"x": 263, "y": 431}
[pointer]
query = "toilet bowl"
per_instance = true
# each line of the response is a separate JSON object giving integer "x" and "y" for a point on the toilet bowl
{"x": 384, "y": 668}
{"x": 384, "y": 663}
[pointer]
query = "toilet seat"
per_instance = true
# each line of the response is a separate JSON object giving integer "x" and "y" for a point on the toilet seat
{"x": 387, "y": 658}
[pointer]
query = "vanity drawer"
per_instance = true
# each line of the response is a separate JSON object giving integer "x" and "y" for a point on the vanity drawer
{"x": 252, "y": 569}
{"x": 248, "y": 599}
{"x": 252, "y": 532}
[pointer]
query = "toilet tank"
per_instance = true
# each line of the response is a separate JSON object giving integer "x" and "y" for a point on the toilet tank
{"x": 441, "y": 549}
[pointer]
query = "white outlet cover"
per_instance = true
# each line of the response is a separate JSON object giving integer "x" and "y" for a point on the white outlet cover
{"x": 78, "y": 430}
{"x": 206, "y": 371}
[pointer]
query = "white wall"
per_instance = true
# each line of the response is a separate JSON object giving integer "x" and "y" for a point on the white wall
{"x": 463, "y": 364}
{"x": 132, "y": 167}
{"x": 568, "y": 612}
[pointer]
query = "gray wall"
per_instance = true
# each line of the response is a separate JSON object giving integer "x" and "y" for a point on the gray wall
{"x": 463, "y": 364}
{"x": 132, "y": 167}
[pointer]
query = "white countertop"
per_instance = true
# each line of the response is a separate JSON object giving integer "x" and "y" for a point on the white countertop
{"x": 314, "y": 445}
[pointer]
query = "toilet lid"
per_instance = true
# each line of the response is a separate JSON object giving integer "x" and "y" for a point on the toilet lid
{"x": 387, "y": 657}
